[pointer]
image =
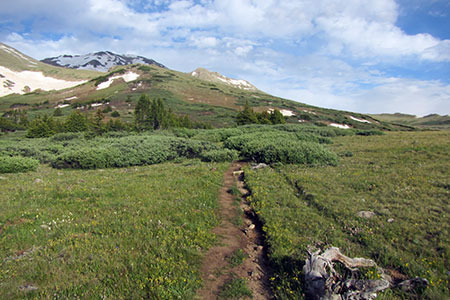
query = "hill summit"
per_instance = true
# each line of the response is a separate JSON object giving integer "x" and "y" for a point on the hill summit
{"x": 99, "y": 61}
{"x": 207, "y": 75}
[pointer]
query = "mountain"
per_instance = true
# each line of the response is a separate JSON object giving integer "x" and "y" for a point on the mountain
{"x": 433, "y": 121}
{"x": 202, "y": 95}
{"x": 22, "y": 74}
{"x": 204, "y": 74}
{"x": 98, "y": 61}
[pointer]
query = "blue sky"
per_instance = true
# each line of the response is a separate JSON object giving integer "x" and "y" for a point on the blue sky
{"x": 357, "y": 55}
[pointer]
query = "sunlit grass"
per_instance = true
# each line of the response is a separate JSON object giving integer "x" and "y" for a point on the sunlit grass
{"x": 117, "y": 233}
{"x": 401, "y": 177}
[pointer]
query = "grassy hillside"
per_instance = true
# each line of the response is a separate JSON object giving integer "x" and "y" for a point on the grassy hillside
{"x": 433, "y": 121}
{"x": 201, "y": 100}
{"x": 16, "y": 61}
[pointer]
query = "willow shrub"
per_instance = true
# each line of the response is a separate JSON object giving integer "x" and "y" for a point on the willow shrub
{"x": 17, "y": 164}
{"x": 131, "y": 151}
{"x": 284, "y": 147}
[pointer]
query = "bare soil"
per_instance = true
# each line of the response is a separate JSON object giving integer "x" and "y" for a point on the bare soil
{"x": 248, "y": 237}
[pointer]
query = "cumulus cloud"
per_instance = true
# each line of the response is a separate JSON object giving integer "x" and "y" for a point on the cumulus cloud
{"x": 327, "y": 51}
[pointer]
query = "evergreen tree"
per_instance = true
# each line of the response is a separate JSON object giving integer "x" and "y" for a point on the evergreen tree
{"x": 142, "y": 113}
{"x": 57, "y": 112}
{"x": 277, "y": 117}
{"x": 246, "y": 116}
{"x": 42, "y": 126}
{"x": 264, "y": 118}
{"x": 97, "y": 124}
{"x": 76, "y": 122}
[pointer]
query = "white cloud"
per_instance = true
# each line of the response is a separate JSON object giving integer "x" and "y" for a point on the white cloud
{"x": 304, "y": 49}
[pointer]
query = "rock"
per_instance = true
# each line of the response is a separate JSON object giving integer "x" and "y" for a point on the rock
{"x": 27, "y": 288}
{"x": 60, "y": 173}
{"x": 259, "y": 166}
{"x": 365, "y": 214}
{"x": 238, "y": 173}
{"x": 390, "y": 220}
{"x": 37, "y": 180}
{"x": 251, "y": 226}
{"x": 43, "y": 226}
{"x": 260, "y": 248}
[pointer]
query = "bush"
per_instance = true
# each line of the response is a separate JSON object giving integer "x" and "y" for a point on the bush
{"x": 130, "y": 151}
{"x": 17, "y": 164}
{"x": 221, "y": 155}
{"x": 65, "y": 136}
{"x": 272, "y": 147}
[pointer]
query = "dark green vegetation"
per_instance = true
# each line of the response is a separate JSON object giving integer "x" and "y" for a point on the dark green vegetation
{"x": 401, "y": 177}
{"x": 17, "y": 164}
{"x": 236, "y": 288}
{"x": 259, "y": 143}
{"x": 125, "y": 233}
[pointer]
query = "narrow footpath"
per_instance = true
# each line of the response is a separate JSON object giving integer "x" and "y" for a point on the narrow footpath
{"x": 234, "y": 234}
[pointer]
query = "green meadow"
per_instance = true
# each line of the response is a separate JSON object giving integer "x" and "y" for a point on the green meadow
{"x": 130, "y": 215}
{"x": 122, "y": 233}
{"x": 401, "y": 177}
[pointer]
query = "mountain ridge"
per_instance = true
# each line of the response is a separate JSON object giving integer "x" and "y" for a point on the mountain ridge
{"x": 101, "y": 61}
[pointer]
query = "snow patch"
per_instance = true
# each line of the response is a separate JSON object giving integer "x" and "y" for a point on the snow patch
{"x": 130, "y": 76}
{"x": 30, "y": 79}
{"x": 360, "y": 120}
{"x": 71, "y": 98}
{"x": 62, "y": 105}
{"x": 96, "y": 104}
{"x": 308, "y": 111}
{"x": 342, "y": 126}
{"x": 284, "y": 112}
{"x": 287, "y": 113}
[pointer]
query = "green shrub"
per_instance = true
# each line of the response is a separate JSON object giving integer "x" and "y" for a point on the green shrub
{"x": 130, "y": 151}
{"x": 17, "y": 164}
{"x": 220, "y": 155}
{"x": 65, "y": 136}
{"x": 284, "y": 147}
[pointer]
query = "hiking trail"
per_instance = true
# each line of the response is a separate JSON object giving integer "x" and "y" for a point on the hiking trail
{"x": 234, "y": 234}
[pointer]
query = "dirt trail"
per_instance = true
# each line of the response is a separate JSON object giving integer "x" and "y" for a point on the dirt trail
{"x": 248, "y": 237}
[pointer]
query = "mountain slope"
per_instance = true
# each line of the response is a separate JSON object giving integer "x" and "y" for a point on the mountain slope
{"x": 98, "y": 61}
{"x": 201, "y": 100}
{"x": 433, "y": 121}
{"x": 22, "y": 74}
{"x": 204, "y": 74}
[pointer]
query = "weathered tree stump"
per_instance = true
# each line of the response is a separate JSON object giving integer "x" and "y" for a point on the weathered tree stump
{"x": 323, "y": 282}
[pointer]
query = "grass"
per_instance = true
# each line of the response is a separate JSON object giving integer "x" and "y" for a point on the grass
{"x": 401, "y": 177}
{"x": 237, "y": 258}
{"x": 235, "y": 288}
{"x": 81, "y": 234}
